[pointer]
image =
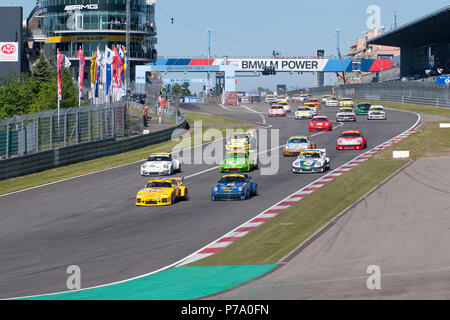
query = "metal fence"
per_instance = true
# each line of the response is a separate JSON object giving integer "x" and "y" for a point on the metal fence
{"x": 416, "y": 92}
{"x": 47, "y": 130}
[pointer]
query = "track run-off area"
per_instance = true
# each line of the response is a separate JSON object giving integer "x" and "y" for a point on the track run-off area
{"x": 92, "y": 221}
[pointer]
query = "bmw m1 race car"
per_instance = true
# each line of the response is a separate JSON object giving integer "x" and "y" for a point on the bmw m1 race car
{"x": 234, "y": 187}
{"x": 162, "y": 192}
{"x": 303, "y": 112}
{"x": 320, "y": 123}
{"x": 295, "y": 145}
{"x": 239, "y": 161}
{"x": 162, "y": 164}
{"x": 376, "y": 113}
{"x": 345, "y": 114}
{"x": 363, "y": 108}
{"x": 311, "y": 161}
{"x": 351, "y": 139}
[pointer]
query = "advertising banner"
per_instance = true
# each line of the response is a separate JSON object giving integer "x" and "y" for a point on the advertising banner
{"x": 9, "y": 51}
{"x": 443, "y": 80}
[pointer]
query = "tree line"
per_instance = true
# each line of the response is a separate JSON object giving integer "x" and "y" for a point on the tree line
{"x": 36, "y": 91}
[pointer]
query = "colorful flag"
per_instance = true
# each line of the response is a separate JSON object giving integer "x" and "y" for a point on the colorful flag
{"x": 94, "y": 69}
{"x": 80, "y": 55}
{"x": 108, "y": 68}
{"x": 99, "y": 72}
{"x": 117, "y": 69}
{"x": 62, "y": 60}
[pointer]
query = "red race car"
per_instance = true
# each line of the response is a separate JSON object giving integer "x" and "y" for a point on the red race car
{"x": 320, "y": 123}
{"x": 352, "y": 139}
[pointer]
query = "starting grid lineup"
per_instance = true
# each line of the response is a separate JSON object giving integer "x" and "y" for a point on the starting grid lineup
{"x": 284, "y": 204}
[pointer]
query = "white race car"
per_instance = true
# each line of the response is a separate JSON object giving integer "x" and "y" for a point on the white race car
{"x": 162, "y": 164}
{"x": 303, "y": 112}
{"x": 285, "y": 105}
{"x": 332, "y": 102}
{"x": 313, "y": 160}
{"x": 345, "y": 114}
{"x": 376, "y": 113}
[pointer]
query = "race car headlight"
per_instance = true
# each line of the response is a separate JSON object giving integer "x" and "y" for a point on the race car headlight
{"x": 359, "y": 140}
{"x": 240, "y": 189}
{"x": 296, "y": 163}
{"x": 216, "y": 189}
{"x": 318, "y": 164}
{"x": 144, "y": 166}
{"x": 340, "y": 141}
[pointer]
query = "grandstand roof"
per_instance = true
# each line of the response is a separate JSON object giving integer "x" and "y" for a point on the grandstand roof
{"x": 432, "y": 28}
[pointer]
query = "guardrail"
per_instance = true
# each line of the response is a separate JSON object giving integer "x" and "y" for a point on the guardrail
{"x": 36, "y": 162}
{"x": 425, "y": 93}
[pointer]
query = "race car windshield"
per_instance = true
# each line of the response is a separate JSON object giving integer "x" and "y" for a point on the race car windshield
{"x": 310, "y": 155}
{"x": 298, "y": 141}
{"x": 232, "y": 179}
{"x": 346, "y": 99}
{"x": 159, "y": 184}
{"x": 350, "y": 135}
{"x": 240, "y": 136}
{"x": 376, "y": 109}
{"x": 277, "y": 107}
{"x": 345, "y": 110}
{"x": 159, "y": 158}
{"x": 364, "y": 106}
{"x": 303, "y": 109}
{"x": 320, "y": 119}
{"x": 238, "y": 154}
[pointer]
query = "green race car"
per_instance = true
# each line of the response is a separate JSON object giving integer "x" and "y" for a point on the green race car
{"x": 362, "y": 108}
{"x": 239, "y": 161}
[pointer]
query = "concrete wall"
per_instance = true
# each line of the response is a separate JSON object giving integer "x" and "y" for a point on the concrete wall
{"x": 41, "y": 161}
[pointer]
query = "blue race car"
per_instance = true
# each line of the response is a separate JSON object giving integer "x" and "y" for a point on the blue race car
{"x": 234, "y": 187}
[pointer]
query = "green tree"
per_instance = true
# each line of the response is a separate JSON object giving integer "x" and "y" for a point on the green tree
{"x": 185, "y": 89}
{"x": 42, "y": 71}
{"x": 177, "y": 90}
{"x": 16, "y": 96}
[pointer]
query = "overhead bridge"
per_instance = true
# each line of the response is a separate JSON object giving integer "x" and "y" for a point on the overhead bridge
{"x": 230, "y": 66}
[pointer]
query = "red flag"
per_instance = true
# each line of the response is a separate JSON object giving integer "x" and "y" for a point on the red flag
{"x": 80, "y": 55}
{"x": 117, "y": 69}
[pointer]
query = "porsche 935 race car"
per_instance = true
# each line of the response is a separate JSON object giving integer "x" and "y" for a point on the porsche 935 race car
{"x": 239, "y": 161}
{"x": 296, "y": 145}
{"x": 352, "y": 139}
{"x": 312, "y": 107}
{"x": 234, "y": 187}
{"x": 303, "y": 112}
{"x": 362, "y": 108}
{"x": 311, "y": 161}
{"x": 160, "y": 163}
{"x": 162, "y": 192}
{"x": 277, "y": 110}
{"x": 242, "y": 140}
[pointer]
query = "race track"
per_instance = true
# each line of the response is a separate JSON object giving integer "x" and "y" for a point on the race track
{"x": 92, "y": 221}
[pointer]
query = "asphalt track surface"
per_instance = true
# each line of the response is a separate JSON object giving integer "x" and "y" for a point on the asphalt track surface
{"x": 403, "y": 227}
{"x": 92, "y": 221}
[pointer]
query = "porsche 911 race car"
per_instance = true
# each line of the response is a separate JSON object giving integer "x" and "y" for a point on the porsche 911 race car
{"x": 234, "y": 187}
{"x": 270, "y": 98}
{"x": 320, "y": 123}
{"x": 162, "y": 192}
{"x": 325, "y": 98}
{"x": 295, "y": 145}
{"x": 239, "y": 161}
{"x": 241, "y": 140}
{"x": 332, "y": 102}
{"x": 311, "y": 161}
{"x": 315, "y": 101}
{"x": 277, "y": 111}
{"x": 376, "y": 113}
{"x": 296, "y": 98}
{"x": 352, "y": 139}
{"x": 346, "y": 102}
{"x": 160, "y": 163}
{"x": 303, "y": 112}
{"x": 363, "y": 108}
{"x": 285, "y": 105}
{"x": 345, "y": 114}
{"x": 312, "y": 107}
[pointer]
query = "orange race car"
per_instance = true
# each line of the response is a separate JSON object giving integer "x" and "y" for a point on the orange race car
{"x": 295, "y": 145}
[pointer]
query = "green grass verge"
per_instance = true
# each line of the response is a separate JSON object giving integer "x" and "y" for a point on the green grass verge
{"x": 438, "y": 111}
{"x": 191, "y": 117}
{"x": 429, "y": 141}
{"x": 81, "y": 168}
{"x": 276, "y": 238}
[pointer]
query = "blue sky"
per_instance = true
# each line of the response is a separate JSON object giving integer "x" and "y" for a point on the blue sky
{"x": 256, "y": 27}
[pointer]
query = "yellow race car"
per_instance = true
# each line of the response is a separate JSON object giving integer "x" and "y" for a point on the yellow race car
{"x": 239, "y": 140}
{"x": 162, "y": 192}
{"x": 346, "y": 102}
{"x": 325, "y": 98}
